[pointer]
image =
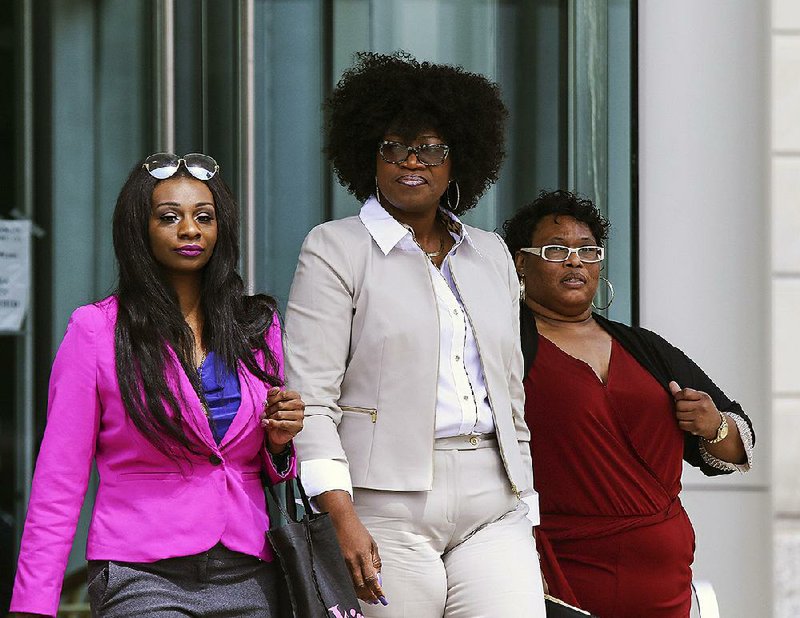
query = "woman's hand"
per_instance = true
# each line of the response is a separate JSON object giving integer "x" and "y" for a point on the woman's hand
{"x": 698, "y": 415}
{"x": 282, "y": 418}
{"x": 358, "y": 547}
{"x": 695, "y": 411}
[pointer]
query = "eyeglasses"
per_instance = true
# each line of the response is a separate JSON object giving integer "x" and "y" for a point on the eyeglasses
{"x": 427, "y": 154}
{"x": 163, "y": 165}
{"x": 559, "y": 253}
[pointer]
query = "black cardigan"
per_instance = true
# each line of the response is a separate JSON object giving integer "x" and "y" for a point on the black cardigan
{"x": 661, "y": 359}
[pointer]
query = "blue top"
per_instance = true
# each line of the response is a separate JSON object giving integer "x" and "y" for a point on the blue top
{"x": 222, "y": 392}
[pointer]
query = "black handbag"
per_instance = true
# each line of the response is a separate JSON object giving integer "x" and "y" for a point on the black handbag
{"x": 318, "y": 582}
{"x": 556, "y": 608}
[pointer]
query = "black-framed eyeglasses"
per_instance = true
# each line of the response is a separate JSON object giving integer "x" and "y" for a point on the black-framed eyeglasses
{"x": 589, "y": 254}
{"x": 427, "y": 154}
{"x": 162, "y": 165}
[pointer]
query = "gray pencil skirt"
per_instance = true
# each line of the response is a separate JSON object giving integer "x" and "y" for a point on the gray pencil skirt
{"x": 219, "y": 583}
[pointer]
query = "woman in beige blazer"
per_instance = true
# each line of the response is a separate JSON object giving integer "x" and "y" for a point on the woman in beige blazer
{"x": 402, "y": 336}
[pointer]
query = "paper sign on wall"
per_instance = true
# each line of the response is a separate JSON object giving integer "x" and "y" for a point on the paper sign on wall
{"x": 15, "y": 273}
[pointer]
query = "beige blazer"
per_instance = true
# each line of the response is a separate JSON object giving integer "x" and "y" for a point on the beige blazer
{"x": 362, "y": 347}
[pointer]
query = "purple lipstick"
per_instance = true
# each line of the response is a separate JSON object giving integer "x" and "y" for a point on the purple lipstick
{"x": 189, "y": 250}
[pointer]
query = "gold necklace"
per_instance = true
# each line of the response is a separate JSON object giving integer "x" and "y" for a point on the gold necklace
{"x": 202, "y": 360}
{"x": 430, "y": 254}
{"x": 433, "y": 254}
{"x": 200, "y": 395}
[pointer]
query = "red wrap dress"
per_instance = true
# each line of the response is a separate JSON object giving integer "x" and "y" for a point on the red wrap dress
{"x": 607, "y": 463}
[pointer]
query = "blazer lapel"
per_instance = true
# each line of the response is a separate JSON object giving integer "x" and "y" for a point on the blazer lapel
{"x": 194, "y": 414}
{"x": 254, "y": 394}
{"x": 477, "y": 286}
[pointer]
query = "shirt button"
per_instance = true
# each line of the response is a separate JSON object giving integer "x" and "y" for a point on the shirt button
{"x": 455, "y": 311}
{"x": 458, "y": 358}
{"x": 214, "y": 459}
{"x": 466, "y": 397}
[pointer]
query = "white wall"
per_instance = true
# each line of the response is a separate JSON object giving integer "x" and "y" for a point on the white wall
{"x": 704, "y": 251}
{"x": 785, "y": 161}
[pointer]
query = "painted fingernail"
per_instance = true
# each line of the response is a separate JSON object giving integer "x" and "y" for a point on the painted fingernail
{"x": 383, "y": 600}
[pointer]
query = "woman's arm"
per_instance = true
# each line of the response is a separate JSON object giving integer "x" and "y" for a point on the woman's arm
{"x": 732, "y": 449}
{"x": 705, "y": 401}
{"x": 746, "y": 435}
{"x": 282, "y": 417}
{"x": 319, "y": 319}
{"x": 667, "y": 364}
{"x": 697, "y": 414}
{"x": 62, "y": 468}
{"x": 358, "y": 547}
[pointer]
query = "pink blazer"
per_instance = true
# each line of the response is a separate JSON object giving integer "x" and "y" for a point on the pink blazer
{"x": 148, "y": 507}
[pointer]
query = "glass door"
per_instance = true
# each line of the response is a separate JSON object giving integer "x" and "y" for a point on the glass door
{"x": 564, "y": 69}
{"x": 245, "y": 81}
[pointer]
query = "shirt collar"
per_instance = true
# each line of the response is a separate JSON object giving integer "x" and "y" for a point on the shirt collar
{"x": 387, "y": 232}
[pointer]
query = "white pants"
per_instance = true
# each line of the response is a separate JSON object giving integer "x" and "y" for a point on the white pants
{"x": 462, "y": 550}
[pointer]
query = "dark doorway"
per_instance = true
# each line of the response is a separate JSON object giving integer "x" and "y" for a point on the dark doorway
{"x": 8, "y": 342}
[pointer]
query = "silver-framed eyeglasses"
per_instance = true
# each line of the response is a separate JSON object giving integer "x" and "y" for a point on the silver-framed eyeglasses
{"x": 427, "y": 154}
{"x": 163, "y": 165}
{"x": 590, "y": 254}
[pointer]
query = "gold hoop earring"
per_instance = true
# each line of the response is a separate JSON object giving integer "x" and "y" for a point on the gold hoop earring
{"x": 458, "y": 196}
{"x": 522, "y": 288}
{"x": 610, "y": 295}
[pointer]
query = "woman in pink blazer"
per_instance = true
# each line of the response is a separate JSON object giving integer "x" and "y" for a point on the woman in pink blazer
{"x": 173, "y": 386}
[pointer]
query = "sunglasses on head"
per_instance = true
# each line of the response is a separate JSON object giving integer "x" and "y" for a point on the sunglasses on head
{"x": 163, "y": 165}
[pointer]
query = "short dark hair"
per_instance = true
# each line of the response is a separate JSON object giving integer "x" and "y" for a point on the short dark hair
{"x": 519, "y": 229}
{"x": 395, "y": 92}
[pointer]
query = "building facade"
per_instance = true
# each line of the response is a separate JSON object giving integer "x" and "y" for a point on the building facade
{"x": 634, "y": 104}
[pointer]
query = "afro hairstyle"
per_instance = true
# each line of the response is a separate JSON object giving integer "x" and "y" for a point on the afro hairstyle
{"x": 396, "y": 93}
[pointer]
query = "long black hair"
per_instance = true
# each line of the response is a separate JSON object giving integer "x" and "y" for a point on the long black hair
{"x": 150, "y": 323}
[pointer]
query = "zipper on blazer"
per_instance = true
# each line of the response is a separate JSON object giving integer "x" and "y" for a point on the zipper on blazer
{"x": 514, "y": 488}
{"x": 373, "y": 413}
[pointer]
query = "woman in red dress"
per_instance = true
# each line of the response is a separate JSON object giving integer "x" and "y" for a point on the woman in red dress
{"x": 612, "y": 411}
